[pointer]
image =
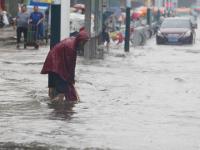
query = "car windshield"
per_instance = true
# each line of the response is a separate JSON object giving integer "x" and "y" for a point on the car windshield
{"x": 180, "y": 14}
{"x": 176, "y": 23}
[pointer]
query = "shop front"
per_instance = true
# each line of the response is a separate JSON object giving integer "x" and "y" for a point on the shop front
{"x": 2, "y": 4}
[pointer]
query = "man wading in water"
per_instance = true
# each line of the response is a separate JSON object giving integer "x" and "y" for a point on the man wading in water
{"x": 60, "y": 66}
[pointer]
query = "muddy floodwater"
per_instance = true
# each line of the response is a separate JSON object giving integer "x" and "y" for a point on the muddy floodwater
{"x": 148, "y": 99}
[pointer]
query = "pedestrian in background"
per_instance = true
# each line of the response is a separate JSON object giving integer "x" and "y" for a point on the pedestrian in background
{"x": 22, "y": 24}
{"x": 106, "y": 36}
{"x": 4, "y": 18}
{"x": 60, "y": 66}
{"x": 36, "y": 19}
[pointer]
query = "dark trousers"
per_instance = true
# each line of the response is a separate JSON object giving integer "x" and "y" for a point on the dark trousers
{"x": 55, "y": 81}
{"x": 21, "y": 30}
{"x": 105, "y": 37}
{"x": 38, "y": 31}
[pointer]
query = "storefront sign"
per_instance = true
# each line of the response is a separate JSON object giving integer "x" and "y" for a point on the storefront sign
{"x": 128, "y": 3}
{"x": 169, "y": 4}
{"x": 42, "y": 1}
{"x": 56, "y": 2}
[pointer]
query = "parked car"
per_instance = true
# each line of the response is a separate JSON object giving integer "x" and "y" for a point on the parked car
{"x": 176, "y": 30}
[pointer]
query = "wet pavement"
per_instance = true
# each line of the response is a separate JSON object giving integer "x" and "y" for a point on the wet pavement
{"x": 147, "y": 99}
{"x": 7, "y": 33}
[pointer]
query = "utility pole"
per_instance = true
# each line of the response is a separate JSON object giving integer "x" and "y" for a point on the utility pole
{"x": 149, "y": 4}
{"x": 93, "y": 26}
{"x": 128, "y": 21}
{"x": 88, "y": 12}
{"x": 167, "y": 8}
{"x": 59, "y": 21}
{"x": 65, "y": 19}
{"x": 55, "y": 26}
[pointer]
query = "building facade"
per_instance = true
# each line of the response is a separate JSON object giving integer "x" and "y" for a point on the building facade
{"x": 186, "y": 3}
{"x": 2, "y": 4}
{"x": 169, "y": 4}
{"x": 11, "y": 6}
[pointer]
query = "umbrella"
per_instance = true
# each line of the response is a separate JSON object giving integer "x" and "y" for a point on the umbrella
{"x": 143, "y": 9}
{"x": 136, "y": 15}
{"x": 79, "y": 6}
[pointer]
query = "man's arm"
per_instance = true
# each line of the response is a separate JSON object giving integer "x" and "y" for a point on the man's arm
{"x": 41, "y": 20}
{"x": 30, "y": 18}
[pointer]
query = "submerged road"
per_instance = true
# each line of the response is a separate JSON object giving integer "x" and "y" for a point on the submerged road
{"x": 148, "y": 99}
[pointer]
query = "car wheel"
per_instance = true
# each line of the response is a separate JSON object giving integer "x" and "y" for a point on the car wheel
{"x": 158, "y": 42}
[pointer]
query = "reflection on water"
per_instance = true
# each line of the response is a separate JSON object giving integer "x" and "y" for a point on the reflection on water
{"x": 62, "y": 111}
{"x": 29, "y": 146}
{"x": 40, "y": 146}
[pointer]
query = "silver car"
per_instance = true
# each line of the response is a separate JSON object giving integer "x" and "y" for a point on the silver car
{"x": 176, "y": 30}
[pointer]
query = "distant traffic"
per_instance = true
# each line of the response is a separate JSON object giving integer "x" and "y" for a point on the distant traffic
{"x": 179, "y": 28}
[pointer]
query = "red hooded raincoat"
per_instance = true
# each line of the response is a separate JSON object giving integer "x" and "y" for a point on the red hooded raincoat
{"x": 62, "y": 61}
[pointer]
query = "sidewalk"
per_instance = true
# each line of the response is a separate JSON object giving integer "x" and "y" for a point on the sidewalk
{"x": 7, "y": 33}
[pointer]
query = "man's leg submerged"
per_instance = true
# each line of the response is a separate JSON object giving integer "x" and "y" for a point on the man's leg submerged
{"x": 25, "y": 30}
{"x": 51, "y": 85}
{"x": 51, "y": 92}
{"x": 57, "y": 87}
{"x": 18, "y": 36}
{"x": 61, "y": 88}
{"x": 59, "y": 98}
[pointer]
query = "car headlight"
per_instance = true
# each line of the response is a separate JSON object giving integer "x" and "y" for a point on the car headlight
{"x": 188, "y": 33}
{"x": 159, "y": 33}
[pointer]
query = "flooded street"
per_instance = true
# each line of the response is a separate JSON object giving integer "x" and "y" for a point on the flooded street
{"x": 148, "y": 99}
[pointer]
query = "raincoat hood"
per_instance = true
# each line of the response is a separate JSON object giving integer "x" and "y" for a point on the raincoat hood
{"x": 82, "y": 36}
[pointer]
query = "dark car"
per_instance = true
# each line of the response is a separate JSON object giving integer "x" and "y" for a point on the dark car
{"x": 176, "y": 30}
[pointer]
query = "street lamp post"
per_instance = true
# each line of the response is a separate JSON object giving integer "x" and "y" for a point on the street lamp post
{"x": 88, "y": 12}
{"x": 128, "y": 21}
{"x": 60, "y": 11}
{"x": 149, "y": 12}
{"x": 65, "y": 19}
{"x": 55, "y": 26}
{"x": 94, "y": 27}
